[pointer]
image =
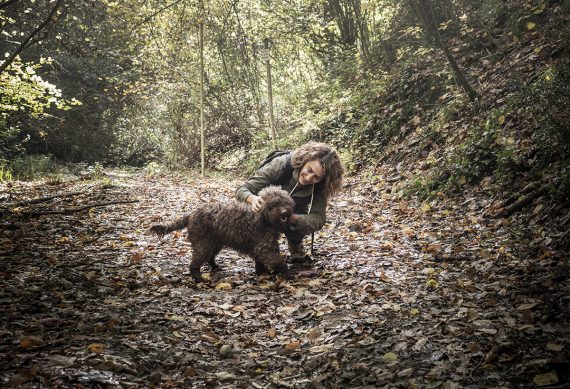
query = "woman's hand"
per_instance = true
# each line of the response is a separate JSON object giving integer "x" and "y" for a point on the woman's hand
{"x": 294, "y": 218}
{"x": 256, "y": 202}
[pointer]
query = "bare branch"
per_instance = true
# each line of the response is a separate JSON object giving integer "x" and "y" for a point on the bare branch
{"x": 25, "y": 42}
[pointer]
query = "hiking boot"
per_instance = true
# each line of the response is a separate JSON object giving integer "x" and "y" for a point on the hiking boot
{"x": 297, "y": 253}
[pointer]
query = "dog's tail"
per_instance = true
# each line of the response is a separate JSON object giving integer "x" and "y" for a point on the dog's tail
{"x": 163, "y": 229}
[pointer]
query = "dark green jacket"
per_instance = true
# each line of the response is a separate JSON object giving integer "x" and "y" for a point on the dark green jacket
{"x": 270, "y": 174}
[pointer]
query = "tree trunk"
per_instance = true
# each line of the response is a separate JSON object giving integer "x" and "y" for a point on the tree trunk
{"x": 202, "y": 131}
{"x": 423, "y": 10}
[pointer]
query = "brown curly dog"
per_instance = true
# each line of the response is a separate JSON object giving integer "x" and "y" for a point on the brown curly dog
{"x": 235, "y": 225}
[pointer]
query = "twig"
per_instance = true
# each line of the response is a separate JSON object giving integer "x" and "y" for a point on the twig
{"x": 508, "y": 211}
{"x": 46, "y": 198}
{"x": 78, "y": 209}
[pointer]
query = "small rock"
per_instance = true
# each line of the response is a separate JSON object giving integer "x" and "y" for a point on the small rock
{"x": 225, "y": 351}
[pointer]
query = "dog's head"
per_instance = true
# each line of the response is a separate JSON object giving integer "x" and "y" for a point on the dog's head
{"x": 278, "y": 206}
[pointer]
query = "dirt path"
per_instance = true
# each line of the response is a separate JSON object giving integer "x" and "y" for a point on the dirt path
{"x": 401, "y": 295}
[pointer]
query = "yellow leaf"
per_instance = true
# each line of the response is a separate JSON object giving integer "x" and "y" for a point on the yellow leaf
{"x": 414, "y": 312}
{"x": 96, "y": 348}
{"x": 272, "y": 333}
{"x": 426, "y": 207}
{"x": 530, "y": 25}
{"x": 431, "y": 283}
{"x": 462, "y": 180}
{"x": 223, "y": 286}
{"x": 501, "y": 120}
{"x": 389, "y": 357}
{"x": 537, "y": 50}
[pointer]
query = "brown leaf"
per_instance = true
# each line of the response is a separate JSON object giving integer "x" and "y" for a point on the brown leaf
{"x": 29, "y": 342}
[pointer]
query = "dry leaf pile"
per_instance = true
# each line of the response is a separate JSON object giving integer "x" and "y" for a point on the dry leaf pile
{"x": 401, "y": 294}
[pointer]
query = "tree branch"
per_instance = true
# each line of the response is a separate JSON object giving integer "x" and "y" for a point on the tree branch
{"x": 78, "y": 209}
{"x": 45, "y": 198}
{"x": 23, "y": 45}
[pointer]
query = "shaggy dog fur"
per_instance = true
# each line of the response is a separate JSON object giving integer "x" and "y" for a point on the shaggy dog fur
{"x": 235, "y": 225}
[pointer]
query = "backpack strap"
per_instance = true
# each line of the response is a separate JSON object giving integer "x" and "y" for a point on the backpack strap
{"x": 286, "y": 172}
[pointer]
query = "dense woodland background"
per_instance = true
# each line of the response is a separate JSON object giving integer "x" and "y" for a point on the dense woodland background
{"x": 445, "y": 259}
{"x": 118, "y": 82}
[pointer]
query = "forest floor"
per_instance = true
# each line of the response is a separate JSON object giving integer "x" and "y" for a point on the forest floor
{"x": 401, "y": 294}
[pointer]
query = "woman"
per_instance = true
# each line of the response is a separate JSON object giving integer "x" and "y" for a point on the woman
{"x": 311, "y": 174}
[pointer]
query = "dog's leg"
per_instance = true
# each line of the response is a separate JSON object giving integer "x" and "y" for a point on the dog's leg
{"x": 267, "y": 256}
{"x": 201, "y": 253}
{"x": 212, "y": 259}
{"x": 260, "y": 268}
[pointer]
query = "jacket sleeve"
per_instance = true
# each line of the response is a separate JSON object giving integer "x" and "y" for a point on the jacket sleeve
{"x": 315, "y": 220}
{"x": 267, "y": 175}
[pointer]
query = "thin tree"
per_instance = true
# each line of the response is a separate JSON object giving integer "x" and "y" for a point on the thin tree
{"x": 202, "y": 132}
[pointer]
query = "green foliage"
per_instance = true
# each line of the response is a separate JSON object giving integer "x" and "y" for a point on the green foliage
{"x": 547, "y": 100}
{"x": 27, "y": 167}
{"x": 484, "y": 152}
{"x": 25, "y": 96}
{"x": 5, "y": 172}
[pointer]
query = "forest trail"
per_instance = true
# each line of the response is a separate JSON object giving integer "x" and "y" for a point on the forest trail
{"x": 401, "y": 294}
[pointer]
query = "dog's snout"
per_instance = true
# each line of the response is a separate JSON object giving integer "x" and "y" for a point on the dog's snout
{"x": 284, "y": 216}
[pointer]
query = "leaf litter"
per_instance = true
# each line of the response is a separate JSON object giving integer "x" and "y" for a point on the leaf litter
{"x": 401, "y": 294}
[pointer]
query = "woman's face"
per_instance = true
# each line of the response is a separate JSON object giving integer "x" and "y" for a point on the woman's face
{"x": 311, "y": 173}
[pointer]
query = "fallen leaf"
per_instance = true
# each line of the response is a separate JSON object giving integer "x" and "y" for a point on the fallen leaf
{"x": 294, "y": 345}
{"x": 389, "y": 357}
{"x": 314, "y": 333}
{"x": 546, "y": 379}
{"x": 31, "y": 342}
{"x": 96, "y": 348}
{"x": 223, "y": 286}
{"x": 525, "y": 307}
{"x": 554, "y": 347}
{"x": 431, "y": 283}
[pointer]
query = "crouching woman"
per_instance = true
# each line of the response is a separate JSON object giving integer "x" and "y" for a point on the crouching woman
{"x": 311, "y": 174}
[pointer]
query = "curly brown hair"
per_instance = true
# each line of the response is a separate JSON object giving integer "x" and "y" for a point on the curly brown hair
{"x": 329, "y": 159}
